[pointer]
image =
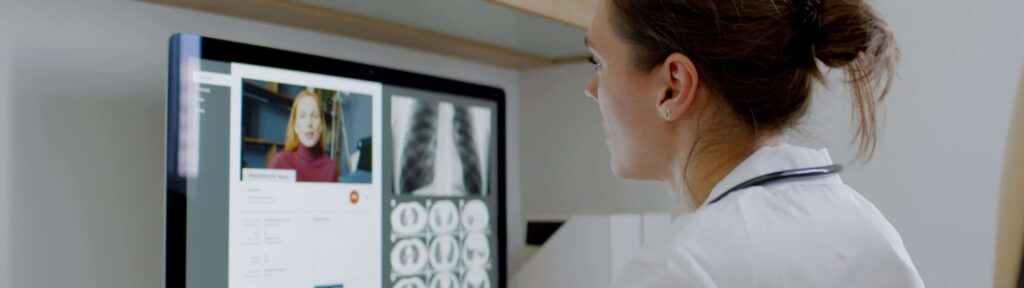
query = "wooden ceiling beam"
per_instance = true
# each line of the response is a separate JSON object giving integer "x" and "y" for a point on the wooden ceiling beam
{"x": 346, "y": 24}
{"x": 573, "y": 12}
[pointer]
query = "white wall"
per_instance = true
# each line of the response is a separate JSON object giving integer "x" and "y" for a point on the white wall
{"x": 937, "y": 170}
{"x": 88, "y": 86}
{"x": 1011, "y": 201}
{"x": 4, "y": 154}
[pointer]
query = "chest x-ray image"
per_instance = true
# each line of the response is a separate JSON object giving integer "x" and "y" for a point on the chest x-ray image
{"x": 440, "y": 148}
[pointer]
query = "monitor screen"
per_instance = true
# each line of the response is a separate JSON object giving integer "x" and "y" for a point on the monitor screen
{"x": 291, "y": 170}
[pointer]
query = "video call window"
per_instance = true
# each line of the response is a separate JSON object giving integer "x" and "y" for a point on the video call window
{"x": 320, "y": 135}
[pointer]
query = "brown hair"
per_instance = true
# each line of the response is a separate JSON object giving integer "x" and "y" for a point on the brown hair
{"x": 291, "y": 141}
{"x": 759, "y": 57}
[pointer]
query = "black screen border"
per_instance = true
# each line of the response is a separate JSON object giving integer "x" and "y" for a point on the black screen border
{"x": 229, "y": 51}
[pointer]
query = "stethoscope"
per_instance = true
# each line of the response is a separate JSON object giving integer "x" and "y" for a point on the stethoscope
{"x": 782, "y": 175}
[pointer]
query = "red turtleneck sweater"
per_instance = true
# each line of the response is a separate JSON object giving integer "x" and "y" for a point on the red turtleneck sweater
{"x": 310, "y": 165}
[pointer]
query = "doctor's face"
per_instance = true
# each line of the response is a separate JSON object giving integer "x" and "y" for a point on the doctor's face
{"x": 627, "y": 97}
{"x": 307, "y": 122}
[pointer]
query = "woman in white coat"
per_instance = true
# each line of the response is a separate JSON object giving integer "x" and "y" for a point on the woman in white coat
{"x": 697, "y": 93}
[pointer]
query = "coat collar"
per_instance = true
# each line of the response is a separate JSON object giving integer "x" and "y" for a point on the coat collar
{"x": 770, "y": 159}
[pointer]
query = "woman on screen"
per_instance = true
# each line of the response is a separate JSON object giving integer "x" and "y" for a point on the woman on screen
{"x": 303, "y": 147}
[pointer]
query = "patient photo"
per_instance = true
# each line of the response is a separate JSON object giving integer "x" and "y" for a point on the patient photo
{"x": 322, "y": 135}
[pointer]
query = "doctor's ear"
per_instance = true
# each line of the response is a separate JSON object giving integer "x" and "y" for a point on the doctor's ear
{"x": 681, "y": 83}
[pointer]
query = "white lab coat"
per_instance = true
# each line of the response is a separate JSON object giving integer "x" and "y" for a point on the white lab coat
{"x": 805, "y": 232}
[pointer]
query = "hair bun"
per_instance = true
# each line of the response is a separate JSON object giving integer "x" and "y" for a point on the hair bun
{"x": 848, "y": 29}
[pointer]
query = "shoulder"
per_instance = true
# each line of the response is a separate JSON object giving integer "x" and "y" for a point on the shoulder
{"x": 774, "y": 233}
{"x": 281, "y": 160}
{"x": 823, "y": 208}
{"x": 329, "y": 162}
{"x": 668, "y": 261}
{"x": 326, "y": 162}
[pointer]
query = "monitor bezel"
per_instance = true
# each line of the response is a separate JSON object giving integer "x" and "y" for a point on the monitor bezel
{"x": 228, "y": 51}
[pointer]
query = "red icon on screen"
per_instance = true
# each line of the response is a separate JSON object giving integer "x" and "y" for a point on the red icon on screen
{"x": 353, "y": 197}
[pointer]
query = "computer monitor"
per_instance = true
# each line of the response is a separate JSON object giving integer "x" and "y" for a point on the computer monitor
{"x": 292, "y": 170}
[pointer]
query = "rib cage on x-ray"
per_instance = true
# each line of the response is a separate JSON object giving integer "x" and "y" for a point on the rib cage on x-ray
{"x": 428, "y": 133}
{"x": 466, "y": 147}
{"x": 420, "y": 145}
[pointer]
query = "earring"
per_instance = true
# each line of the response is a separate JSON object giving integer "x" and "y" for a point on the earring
{"x": 668, "y": 113}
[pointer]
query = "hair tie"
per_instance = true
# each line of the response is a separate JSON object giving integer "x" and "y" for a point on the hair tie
{"x": 810, "y": 13}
